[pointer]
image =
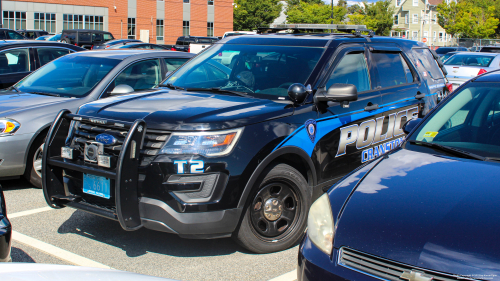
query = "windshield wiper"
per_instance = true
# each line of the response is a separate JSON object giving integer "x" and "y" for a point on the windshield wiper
{"x": 219, "y": 90}
{"x": 451, "y": 150}
{"x": 45, "y": 94}
{"x": 170, "y": 86}
{"x": 14, "y": 88}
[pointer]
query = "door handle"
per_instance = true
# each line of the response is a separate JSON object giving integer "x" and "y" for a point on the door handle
{"x": 371, "y": 107}
{"x": 420, "y": 95}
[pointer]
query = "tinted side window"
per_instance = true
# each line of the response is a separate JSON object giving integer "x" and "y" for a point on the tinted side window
{"x": 13, "y": 61}
{"x": 409, "y": 75}
{"x": 14, "y": 35}
{"x": 84, "y": 36}
{"x": 141, "y": 75}
{"x": 97, "y": 37}
{"x": 180, "y": 41}
{"x": 46, "y": 55}
{"x": 2, "y": 34}
{"x": 173, "y": 64}
{"x": 425, "y": 58}
{"x": 352, "y": 69}
{"x": 390, "y": 69}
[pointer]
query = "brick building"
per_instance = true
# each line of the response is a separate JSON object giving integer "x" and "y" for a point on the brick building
{"x": 159, "y": 21}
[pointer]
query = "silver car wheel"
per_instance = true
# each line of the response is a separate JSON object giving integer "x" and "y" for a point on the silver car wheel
{"x": 37, "y": 160}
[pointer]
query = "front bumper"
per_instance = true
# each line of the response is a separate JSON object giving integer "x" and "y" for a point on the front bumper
{"x": 13, "y": 153}
{"x": 132, "y": 206}
{"x": 313, "y": 264}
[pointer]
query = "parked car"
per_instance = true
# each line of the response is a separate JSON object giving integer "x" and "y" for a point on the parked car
{"x": 69, "y": 82}
{"x": 5, "y": 230}
{"x": 240, "y": 150}
{"x": 44, "y": 37}
{"x": 20, "y": 58}
{"x": 8, "y": 34}
{"x": 490, "y": 49}
{"x": 425, "y": 211}
{"x": 444, "y": 50}
{"x": 134, "y": 45}
{"x": 183, "y": 42}
{"x": 86, "y": 38}
{"x": 114, "y": 42}
{"x": 42, "y": 272}
{"x": 446, "y": 56}
{"x": 32, "y": 33}
{"x": 464, "y": 66}
{"x": 56, "y": 37}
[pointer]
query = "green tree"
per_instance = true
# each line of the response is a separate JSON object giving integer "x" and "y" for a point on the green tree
{"x": 315, "y": 13}
{"x": 252, "y": 14}
{"x": 377, "y": 16}
{"x": 354, "y": 9}
{"x": 356, "y": 19}
{"x": 468, "y": 19}
{"x": 342, "y": 3}
{"x": 296, "y": 2}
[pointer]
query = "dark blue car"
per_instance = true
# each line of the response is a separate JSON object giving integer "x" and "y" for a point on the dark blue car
{"x": 429, "y": 210}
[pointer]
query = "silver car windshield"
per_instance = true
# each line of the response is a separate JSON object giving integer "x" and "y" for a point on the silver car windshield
{"x": 69, "y": 76}
{"x": 258, "y": 71}
{"x": 470, "y": 60}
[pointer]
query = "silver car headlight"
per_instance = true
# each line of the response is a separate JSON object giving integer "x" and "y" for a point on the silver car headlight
{"x": 203, "y": 143}
{"x": 8, "y": 127}
{"x": 320, "y": 224}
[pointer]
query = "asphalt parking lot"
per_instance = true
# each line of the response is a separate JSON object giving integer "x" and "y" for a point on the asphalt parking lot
{"x": 69, "y": 236}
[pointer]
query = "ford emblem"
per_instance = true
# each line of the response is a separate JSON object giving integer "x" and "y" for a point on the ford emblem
{"x": 106, "y": 139}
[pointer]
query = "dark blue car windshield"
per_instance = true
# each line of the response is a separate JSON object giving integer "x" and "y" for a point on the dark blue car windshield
{"x": 259, "y": 71}
{"x": 69, "y": 76}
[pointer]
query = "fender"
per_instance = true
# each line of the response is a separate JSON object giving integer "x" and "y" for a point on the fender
{"x": 35, "y": 135}
{"x": 271, "y": 157}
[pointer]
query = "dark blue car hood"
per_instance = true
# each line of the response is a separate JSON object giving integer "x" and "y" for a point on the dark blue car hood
{"x": 179, "y": 110}
{"x": 428, "y": 211}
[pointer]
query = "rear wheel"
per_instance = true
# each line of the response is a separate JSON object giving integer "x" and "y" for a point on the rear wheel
{"x": 33, "y": 171}
{"x": 275, "y": 218}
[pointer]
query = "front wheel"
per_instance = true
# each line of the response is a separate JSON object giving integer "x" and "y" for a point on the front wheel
{"x": 276, "y": 216}
{"x": 34, "y": 164}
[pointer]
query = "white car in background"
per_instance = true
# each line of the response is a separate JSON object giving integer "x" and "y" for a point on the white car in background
{"x": 462, "y": 67}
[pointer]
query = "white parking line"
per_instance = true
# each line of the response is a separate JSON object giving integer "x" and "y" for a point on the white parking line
{"x": 56, "y": 251}
{"x": 29, "y": 212}
{"x": 290, "y": 276}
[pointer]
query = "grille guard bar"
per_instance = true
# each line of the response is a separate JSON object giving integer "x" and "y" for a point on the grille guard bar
{"x": 125, "y": 174}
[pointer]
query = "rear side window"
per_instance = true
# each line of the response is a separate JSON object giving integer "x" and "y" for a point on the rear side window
{"x": 352, "y": 69}
{"x": 390, "y": 69}
{"x": 425, "y": 58}
{"x": 173, "y": 64}
{"x": 84, "y": 36}
{"x": 46, "y": 55}
{"x": 490, "y": 50}
{"x": 107, "y": 37}
{"x": 14, "y": 35}
{"x": 14, "y": 61}
{"x": 180, "y": 41}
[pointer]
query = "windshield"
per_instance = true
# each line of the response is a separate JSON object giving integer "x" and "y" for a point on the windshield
{"x": 470, "y": 121}
{"x": 69, "y": 76}
{"x": 259, "y": 71}
{"x": 445, "y": 50}
{"x": 470, "y": 60}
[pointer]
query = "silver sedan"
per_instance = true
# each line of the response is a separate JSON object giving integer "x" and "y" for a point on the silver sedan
{"x": 28, "y": 108}
{"x": 461, "y": 67}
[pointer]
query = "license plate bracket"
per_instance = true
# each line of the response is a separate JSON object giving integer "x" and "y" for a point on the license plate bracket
{"x": 97, "y": 186}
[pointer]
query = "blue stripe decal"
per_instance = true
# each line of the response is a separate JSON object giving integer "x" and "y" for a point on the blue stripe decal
{"x": 300, "y": 138}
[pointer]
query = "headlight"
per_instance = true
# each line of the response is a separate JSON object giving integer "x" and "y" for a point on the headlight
{"x": 8, "y": 127}
{"x": 320, "y": 224}
{"x": 203, "y": 143}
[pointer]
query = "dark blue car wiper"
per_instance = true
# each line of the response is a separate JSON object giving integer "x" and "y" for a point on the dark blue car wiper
{"x": 45, "y": 94}
{"x": 170, "y": 86}
{"x": 14, "y": 88}
{"x": 451, "y": 150}
{"x": 219, "y": 90}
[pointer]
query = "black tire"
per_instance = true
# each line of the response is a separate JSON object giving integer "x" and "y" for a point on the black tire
{"x": 266, "y": 230}
{"x": 31, "y": 174}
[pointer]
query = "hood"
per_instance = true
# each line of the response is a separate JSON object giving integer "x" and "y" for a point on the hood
{"x": 179, "y": 110}
{"x": 13, "y": 102}
{"x": 41, "y": 272}
{"x": 428, "y": 211}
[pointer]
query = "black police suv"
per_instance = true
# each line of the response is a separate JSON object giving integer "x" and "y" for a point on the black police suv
{"x": 86, "y": 38}
{"x": 243, "y": 137}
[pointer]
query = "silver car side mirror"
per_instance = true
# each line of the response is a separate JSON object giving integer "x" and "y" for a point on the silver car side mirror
{"x": 121, "y": 90}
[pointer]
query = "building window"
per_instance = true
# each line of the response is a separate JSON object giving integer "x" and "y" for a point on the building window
{"x": 210, "y": 29}
{"x": 407, "y": 19}
{"x": 45, "y": 21}
{"x": 398, "y": 3}
{"x": 131, "y": 28}
{"x": 186, "y": 1}
{"x": 440, "y": 36}
{"x": 396, "y": 20}
{"x": 426, "y": 19}
{"x": 415, "y": 2}
{"x": 415, "y": 35}
{"x": 72, "y": 21}
{"x": 159, "y": 30}
{"x": 434, "y": 37}
{"x": 434, "y": 19}
{"x": 14, "y": 20}
{"x": 415, "y": 19}
{"x": 211, "y": 2}
{"x": 185, "y": 28}
{"x": 81, "y": 21}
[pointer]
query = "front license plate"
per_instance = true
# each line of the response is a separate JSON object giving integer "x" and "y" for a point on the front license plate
{"x": 96, "y": 185}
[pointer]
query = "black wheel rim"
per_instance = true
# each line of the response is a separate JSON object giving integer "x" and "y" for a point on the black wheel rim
{"x": 274, "y": 211}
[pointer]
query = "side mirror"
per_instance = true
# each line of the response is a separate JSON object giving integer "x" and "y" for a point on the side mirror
{"x": 121, "y": 90}
{"x": 297, "y": 93}
{"x": 410, "y": 125}
{"x": 343, "y": 93}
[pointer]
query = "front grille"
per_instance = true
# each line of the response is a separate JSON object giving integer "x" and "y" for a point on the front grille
{"x": 386, "y": 269}
{"x": 153, "y": 140}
